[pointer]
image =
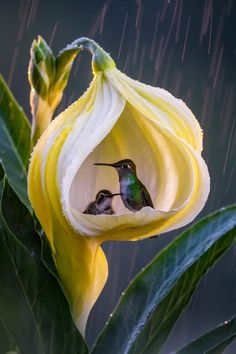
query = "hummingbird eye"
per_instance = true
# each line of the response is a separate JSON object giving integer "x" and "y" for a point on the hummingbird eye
{"x": 125, "y": 166}
{"x": 100, "y": 198}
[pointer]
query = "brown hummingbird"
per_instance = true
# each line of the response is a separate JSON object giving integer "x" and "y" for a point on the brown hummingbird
{"x": 101, "y": 204}
{"x": 133, "y": 193}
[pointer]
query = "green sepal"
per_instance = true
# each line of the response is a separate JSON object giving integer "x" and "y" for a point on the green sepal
{"x": 41, "y": 67}
{"x": 48, "y": 58}
{"x": 36, "y": 53}
{"x": 64, "y": 62}
{"x": 37, "y": 80}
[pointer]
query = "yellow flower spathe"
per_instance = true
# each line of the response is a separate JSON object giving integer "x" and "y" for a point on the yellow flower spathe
{"x": 116, "y": 118}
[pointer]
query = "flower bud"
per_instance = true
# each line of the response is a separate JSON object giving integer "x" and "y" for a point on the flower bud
{"x": 48, "y": 76}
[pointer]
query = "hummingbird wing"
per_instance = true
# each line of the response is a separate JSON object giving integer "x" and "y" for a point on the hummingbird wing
{"x": 91, "y": 209}
{"x": 147, "y": 201}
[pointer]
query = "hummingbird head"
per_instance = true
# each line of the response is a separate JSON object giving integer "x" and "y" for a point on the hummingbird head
{"x": 104, "y": 198}
{"x": 123, "y": 167}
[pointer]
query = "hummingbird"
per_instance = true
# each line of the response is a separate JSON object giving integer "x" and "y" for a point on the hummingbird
{"x": 133, "y": 193}
{"x": 102, "y": 203}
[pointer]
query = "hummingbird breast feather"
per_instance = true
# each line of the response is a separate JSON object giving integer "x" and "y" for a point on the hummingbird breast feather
{"x": 134, "y": 194}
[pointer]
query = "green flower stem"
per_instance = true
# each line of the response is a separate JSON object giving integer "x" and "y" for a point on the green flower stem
{"x": 101, "y": 59}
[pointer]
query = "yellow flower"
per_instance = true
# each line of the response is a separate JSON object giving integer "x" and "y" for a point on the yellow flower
{"x": 117, "y": 118}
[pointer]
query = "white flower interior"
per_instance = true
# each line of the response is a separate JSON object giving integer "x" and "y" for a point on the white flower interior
{"x": 114, "y": 130}
{"x": 127, "y": 140}
{"x": 161, "y": 167}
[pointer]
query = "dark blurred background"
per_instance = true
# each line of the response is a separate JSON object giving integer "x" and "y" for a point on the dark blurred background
{"x": 185, "y": 46}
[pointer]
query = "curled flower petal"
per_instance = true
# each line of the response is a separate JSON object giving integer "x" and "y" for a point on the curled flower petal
{"x": 117, "y": 118}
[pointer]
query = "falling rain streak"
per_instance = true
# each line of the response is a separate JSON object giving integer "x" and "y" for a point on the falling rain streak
{"x": 185, "y": 40}
{"x": 123, "y": 33}
{"x": 186, "y": 47}
{"x": 53, "y": 34}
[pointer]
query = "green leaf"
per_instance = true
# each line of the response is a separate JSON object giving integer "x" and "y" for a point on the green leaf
{"x": 6, "y": 341}
{"x": 219, "y": 349}
{"x": 24, "y": 231}
{"x": 33, "y": 306}
{"x": 155, "y": 299}
{"x": 14, "y": 142}
{"x": 19, "y": 221}
{"x": 214, "y": 341}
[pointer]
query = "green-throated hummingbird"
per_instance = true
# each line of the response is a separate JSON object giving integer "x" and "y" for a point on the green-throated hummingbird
{"x": 133, "y": 193}
{"x": 102, "y": 203}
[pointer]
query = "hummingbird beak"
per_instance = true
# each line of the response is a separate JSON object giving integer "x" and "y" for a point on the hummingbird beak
{"x": 104, "y": 164}
{"x": 113, "y": 195}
